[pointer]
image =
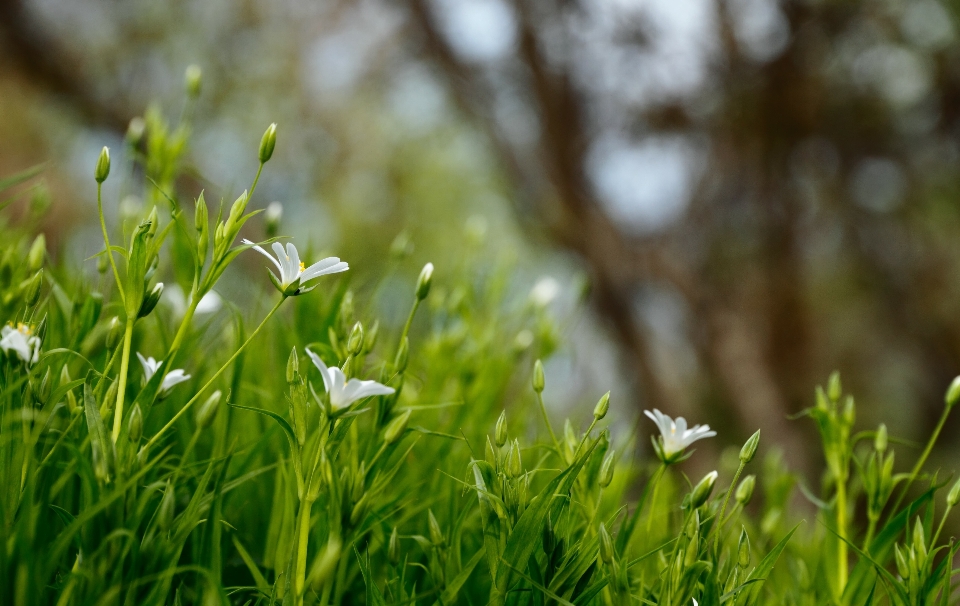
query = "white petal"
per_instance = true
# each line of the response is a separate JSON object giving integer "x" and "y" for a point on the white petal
{"x": 330, "y": 265}
{"x": 209, "y": 303}
{"x": 148, "y": 368}
{"x": 324, "y": 371}
{"x": 265, "y": 254}
{"x": 372, "y": 388}
{"x": 294, "y": 259}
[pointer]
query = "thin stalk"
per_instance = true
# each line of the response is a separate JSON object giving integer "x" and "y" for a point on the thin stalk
{"x": 300, "y": 567}
{"x": 842, "y": 562}
{"x": 553, "y": 436}
{"x": 653, "y": 497}
{"x": 122, "y": 387}
{"x": 922, "y": 460}
{"x": 723, "y": 508}
{"x": 216, "y": 375}
{"x": 406, "y": 327}
{"x": 871, "y": 529}
{"x": 943, "y": 520}
{"x": 106, "y": 240}
{"x": 256, "y": 179}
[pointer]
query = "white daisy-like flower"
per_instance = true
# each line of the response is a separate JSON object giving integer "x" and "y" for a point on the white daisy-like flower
{"x": 177, "y": 301}
{"x": 22, "y": 341}
{"x": 172, "y": 378}
{"x": 293, "y": 274}
{"x": 675, "y": 437}
{"x": 343, "y": 393}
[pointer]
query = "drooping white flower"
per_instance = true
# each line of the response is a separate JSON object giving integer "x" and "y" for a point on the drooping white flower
{"x": 20, "y": 339}
{"x": 675, "y": 437}
{"x": 177, "y": 301}
{"x": 343, "y": 393}
{"x": 172, "y": 378}
{"x": 293, "y": 275}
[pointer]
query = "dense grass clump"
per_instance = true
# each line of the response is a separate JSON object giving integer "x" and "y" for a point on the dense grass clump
{"x": 159, "y": 444}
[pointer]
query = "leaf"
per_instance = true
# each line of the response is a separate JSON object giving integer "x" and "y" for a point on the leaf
{"x": 765, "y": 567}
{"x": 449, "y": 595}
{"x": 100, "y": 443}
{"x": 374, "y": 597}
{"x": 20, "y": 177}
{"x": 258, "y": 577}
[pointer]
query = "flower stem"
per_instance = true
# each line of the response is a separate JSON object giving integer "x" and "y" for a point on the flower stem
{"x": 406, "y": 327}
{"x": 723, "y": 508}
{"x": 922, "y": 460}
{"x": 842, "y": 563}
{"x": 122, "y": 387}
{"x": 300, "y": 567}
{"x": 553, "y": 436}
{"x": 256, "y": 179}
{"x": 106, "y": 241}
{"x": 216, "y": 375}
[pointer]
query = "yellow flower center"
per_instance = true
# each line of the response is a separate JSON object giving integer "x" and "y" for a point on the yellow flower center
{"x": 24, "y": 329}
{"x": 301, "y": 266}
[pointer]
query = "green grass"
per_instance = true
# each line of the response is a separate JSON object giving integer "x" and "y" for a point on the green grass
{"x": 247, "y": 483}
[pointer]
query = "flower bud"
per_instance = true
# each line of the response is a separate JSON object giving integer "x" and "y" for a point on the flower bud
{"x": 192, "y": 79}
{"x": 393, "y": 550}
{"x": 834, "y": 388}
{"x": 606, "y": 545}
{"x": 600, "y": 410}
{"x": 902, "y": 567}
{"x": 114, "y": 333}
{"x": 325, "y": 564}
{"x": 32, "y": 291}
{"x": 953, "y": 497}
{"x": 293, "y": 366}
{"x": 271, "y": 218}
{"x": 749, "y": 449}
{"x": 38, "y": 251}
{"x": 396, "y": 427}
{"x": 150, "y": 300}
{"x": 424, "y": 281}
{"x": 743, "y": 549}
{"x": 436, "y": 534}
{"x": 539, "y": 381}
{"x": 135, "y": 131}
{"x": 606, "y": 470}
{"x": 849, "y": 411}
{"x": 103, "y": 166}
{"x": 208, "y": 411}
{"x": 514, "y": 464}
{"x": 880, "y": 440}
{"x": 953, "y": 393}
{"x": 403, "y": 353}
{"x": 919, "y": 541}
{"x": 135, "y": 431}
{"x": 703, "y": 489}
{"x": 745, "y": 490}
{"x": 267, "y": 143}
{"x": 355, "y": 341}
{"x": 103, "y": 263}
{"x": 501, "y": 432}
{"x": 490, "y": 453}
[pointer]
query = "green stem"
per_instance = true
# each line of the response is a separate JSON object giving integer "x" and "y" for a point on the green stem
{"x": 106, "y": 240}
{"x": 871, "y": 529}
{"x": 553, "y": 436}
{"x": 122, "y": 387}
{"x": 842, "y": 561}
{"x": 256, "y": 179}
{"x": 300, "y": 567}
{"x": 922, "y": 460}
{"x": 653, "y": 496}
{"x": 943, "y": 520}
{"x": 723, "y": 508}
{"x": 216, "y": 375}
{"x": 406, "y": 327}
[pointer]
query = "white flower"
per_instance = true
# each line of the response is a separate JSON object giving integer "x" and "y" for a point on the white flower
{"x": 22, "y": 341}
{"x": 674, "y": 435}
{"x": 544, "y": 291}
{"x": 342, "y": 392}
{"x": 174, "y": 377}
{"x": 293, "y": 275}
{"x": 177, "y": 301}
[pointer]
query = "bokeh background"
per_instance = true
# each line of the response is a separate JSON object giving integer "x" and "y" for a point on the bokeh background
{"x": 745, "y": 194}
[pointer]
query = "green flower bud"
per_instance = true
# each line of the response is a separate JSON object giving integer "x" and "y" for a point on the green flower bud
{"x": 32, "y": 290}
{"x": 103, "y": 166}
{"x": 267, "y": 143}
{"x": 38, "y": 250}
{"x": 745, "y": 490}
{"x": 490, "y": 453}
{"x": 880, "y": 440}
{"x": 436, "y": 534}
{"x": 538, "y": 378}
{"x": 114, "y": 333}
{"x": 902, "y": 567}
{"x": 355, "y": 342}
{"x": 109, "y": 399}
{"x": 919, "y": 541}
{"x": 208, "y": 411}
{"x": 393, "y": 550}
{"x": 834, "y": 388}
{"x": 600, "y": 410}
{"x": 424, "y": 281}
{"x": 750, "y": 448}
{"x": 953, "y": 393}
{"x": 396, "y": 427}
{"x": 166, "y": 508}
{"x": 606, "y": 545}
{"x": 150, "y": 300}
{"x": 293, "y": 366}
{"x": 703, "y": 489}
{"x": 501, "y": 432}
{"x": 103, "y": 263}
{"x": 136, "y": 425}
{"x": 325, "y": 564}
{"x": 606, "y": 470}
{"x": 514, "y": 464}
{"x": 271, "y": 218}
{"x": 743, "y": 549}
{"x": 953, "y": 497}
{"x": 371, "y": 339}
{"x": 192, "y": 79}
{"x": 43, "y": 394}
{"x": 849, "y": 411}
{"x": 403, "y": 353}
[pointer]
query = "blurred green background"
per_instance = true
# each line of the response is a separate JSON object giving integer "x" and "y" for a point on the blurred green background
{"x": 746, "y": 194}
